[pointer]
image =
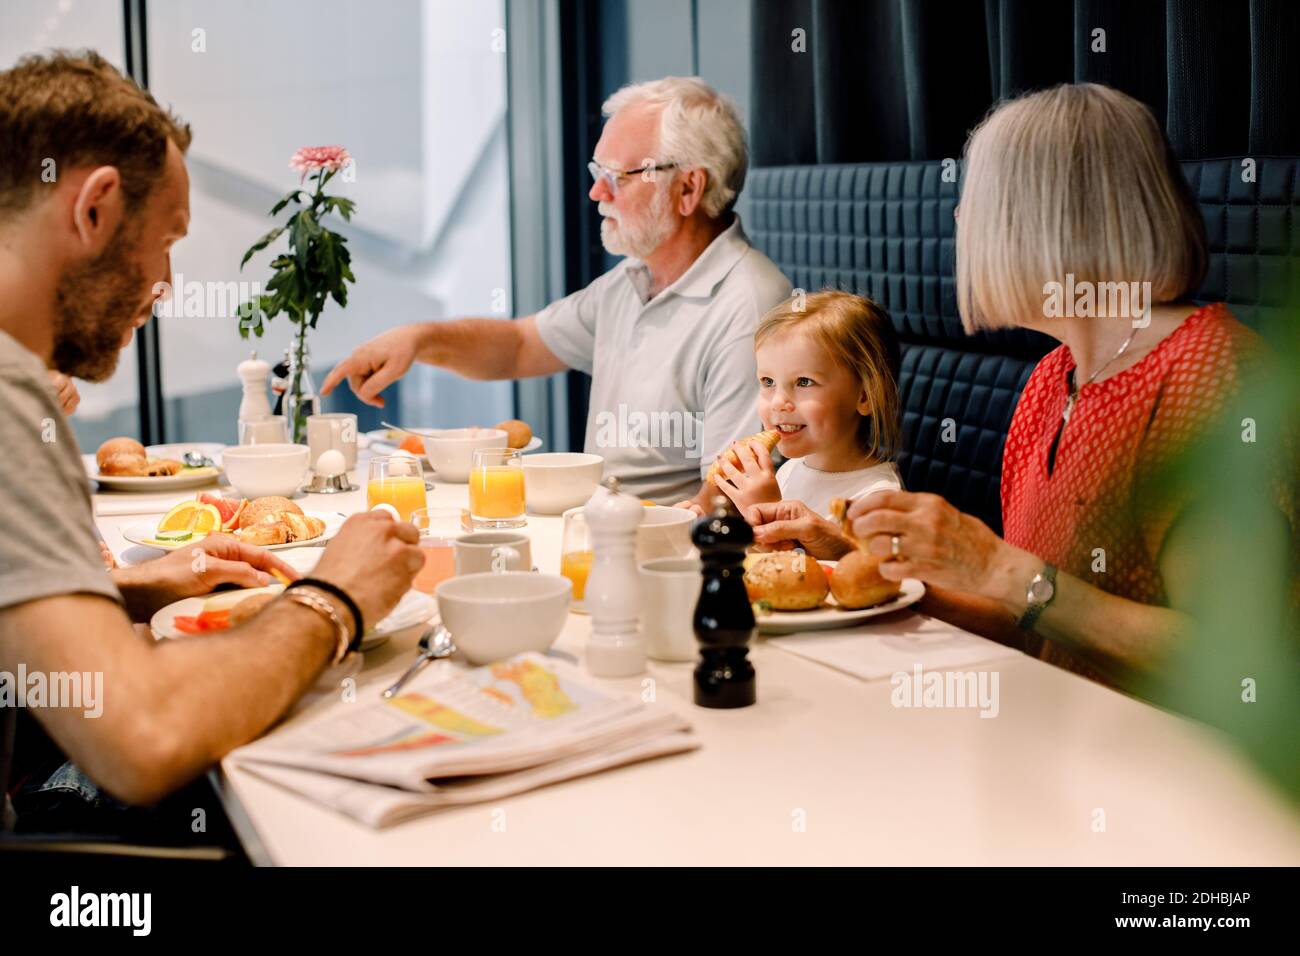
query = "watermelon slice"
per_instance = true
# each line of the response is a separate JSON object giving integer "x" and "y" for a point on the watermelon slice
{"x": 229, "y": 508}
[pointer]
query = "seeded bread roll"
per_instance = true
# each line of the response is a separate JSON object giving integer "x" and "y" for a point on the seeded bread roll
{"x": 787, "y": 580}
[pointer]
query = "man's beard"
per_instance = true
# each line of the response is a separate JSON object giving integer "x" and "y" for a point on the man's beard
{"x": 643, "y": 237}
{"x": 95, "y": 306}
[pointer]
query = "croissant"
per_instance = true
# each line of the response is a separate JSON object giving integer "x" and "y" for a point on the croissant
{"x": 767, "y": 438}
{"x": 281, "y": 527}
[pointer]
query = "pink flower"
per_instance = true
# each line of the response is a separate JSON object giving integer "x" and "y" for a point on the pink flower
{"x": 309, "y": 159}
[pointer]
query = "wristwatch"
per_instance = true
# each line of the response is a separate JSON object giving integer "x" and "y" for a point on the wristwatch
{"x": 1039, "y": 594}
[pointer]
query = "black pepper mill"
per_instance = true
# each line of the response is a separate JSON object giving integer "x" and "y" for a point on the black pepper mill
{"x": 724, "y": 620}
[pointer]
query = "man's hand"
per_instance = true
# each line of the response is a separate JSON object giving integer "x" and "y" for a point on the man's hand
{"x": 65, "y": 391}
{"x": 754, "y": 482}
{"x": 374, "y": 559}
{"x": 376, "y": 364}
{"x": 783, "y": 525}
{"x": 194, "y": 571}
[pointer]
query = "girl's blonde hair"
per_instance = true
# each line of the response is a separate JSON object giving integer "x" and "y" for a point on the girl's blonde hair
{"x": 856, "y": 333}
{"x": 1078, "y": 179}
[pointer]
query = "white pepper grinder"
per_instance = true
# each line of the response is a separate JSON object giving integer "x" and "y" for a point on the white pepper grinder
{"x": 254, "y": 373}
{"x": 613, "y": 593}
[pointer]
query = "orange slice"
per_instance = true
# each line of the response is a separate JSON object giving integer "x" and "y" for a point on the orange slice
{"x": 191, "y": 516}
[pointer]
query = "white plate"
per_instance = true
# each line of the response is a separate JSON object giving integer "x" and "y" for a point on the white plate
{"x": 381, "y": 444}
{"x": 142, "y": 532}
{"x": 831, "y": 615}
{"x": 414, "y": 608}
{"x": 192, "y": 478}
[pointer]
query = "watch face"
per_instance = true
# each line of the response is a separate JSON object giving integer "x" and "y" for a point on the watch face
{"x": 1041, "y": 590}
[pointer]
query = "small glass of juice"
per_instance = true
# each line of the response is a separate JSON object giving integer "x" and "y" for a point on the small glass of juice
{"x": 575, "y": 556}
{"x": 496, "y": 488}
{"x": 438, "y": 530}
{"x": 397, "y": 480}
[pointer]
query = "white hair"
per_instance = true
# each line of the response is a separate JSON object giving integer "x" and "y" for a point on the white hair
{"x": 698, "y": 126}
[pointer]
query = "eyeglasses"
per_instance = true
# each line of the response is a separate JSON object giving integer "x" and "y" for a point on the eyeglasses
{"x": 613, "y": 177}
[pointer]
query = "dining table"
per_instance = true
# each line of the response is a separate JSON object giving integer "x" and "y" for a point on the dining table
{"x": 826, "y": 768}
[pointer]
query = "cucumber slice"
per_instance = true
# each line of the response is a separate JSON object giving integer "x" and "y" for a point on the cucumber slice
{"x": 173, "y": 535}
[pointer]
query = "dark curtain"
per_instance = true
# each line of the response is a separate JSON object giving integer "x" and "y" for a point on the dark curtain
{"x": 849, "y": 81}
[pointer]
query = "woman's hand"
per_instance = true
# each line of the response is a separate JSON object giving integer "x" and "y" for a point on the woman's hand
{"x": 191, "y": 572}
{"x": 754, "y": 482}
{"x": 782, "y": 525}
{"x": 941, "y": 546}
{"x": 65, "y": 391}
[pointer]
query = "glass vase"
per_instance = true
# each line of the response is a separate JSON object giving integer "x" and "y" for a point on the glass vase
{"x": 300, "y": 399}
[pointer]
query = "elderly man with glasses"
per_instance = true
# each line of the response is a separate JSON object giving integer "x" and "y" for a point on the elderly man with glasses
{"x": 668, "y": 334}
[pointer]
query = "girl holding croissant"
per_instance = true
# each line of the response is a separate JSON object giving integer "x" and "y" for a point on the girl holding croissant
{"x": 828, "y": 397}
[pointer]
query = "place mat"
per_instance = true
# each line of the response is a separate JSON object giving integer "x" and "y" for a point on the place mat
{"x": 877, "y": 649}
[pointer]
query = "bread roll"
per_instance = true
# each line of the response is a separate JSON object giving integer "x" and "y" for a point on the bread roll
{"x": 787, "y": 580}
{"x": 856, "y": 581}
{"x": 259, "y": 508}
{"x": 118, "y": 446}
{"x": 124, "y": 465}
{"x": 518, "y": 434}
{"x": 768, "y": 439}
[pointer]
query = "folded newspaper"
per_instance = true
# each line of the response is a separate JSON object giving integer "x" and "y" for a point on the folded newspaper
{"x": 456, "y": 735}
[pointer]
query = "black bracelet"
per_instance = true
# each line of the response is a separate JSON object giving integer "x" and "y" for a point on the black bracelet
{"x": 343, "y": 596}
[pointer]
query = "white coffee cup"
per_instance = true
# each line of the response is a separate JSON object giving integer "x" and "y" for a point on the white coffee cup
{"x": 670, "y": 588}
{"x": 483, "y": 551}
{"x": 333, "y": 430}
{"x": 496, "y": 615}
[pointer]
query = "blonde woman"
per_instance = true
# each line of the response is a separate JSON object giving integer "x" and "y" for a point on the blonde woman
{"x": 1066, "y": 190}
{"x": 827, "y": 366}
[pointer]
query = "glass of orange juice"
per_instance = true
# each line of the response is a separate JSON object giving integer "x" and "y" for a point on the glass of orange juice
{"x": 438, "y": 529}
{"x": 496, "y": 488}
{"x": 397, "y": 480}
{"x": 576, "y": 555}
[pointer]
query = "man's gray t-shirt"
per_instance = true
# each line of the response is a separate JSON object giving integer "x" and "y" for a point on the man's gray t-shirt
{"x": 48, "y": 544}
{"x": 673, "y": 377}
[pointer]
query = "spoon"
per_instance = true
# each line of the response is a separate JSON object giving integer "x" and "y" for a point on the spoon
{"x": 435, "y": 644}
{"x": 194, "y": 459}
{"x": 405, "y": 431}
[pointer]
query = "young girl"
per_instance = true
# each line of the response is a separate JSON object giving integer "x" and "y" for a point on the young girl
{"x": 827, "y": 377}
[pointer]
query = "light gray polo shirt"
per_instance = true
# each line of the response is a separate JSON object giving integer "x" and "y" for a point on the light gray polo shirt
{"x": 673, "y": 377}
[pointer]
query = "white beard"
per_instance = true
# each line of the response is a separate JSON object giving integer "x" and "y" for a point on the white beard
{"x": 639, "y": 239}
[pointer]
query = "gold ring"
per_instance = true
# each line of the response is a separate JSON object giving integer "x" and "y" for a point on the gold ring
{"x": 895, "y": 549}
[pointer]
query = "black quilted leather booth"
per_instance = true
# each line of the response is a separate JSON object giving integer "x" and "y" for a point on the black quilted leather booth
{"x": 885, "y": 230}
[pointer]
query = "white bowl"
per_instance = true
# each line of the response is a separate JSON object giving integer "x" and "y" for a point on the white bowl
{"x": 558, "y": 480}
{"x": 496, "y": 614}
{"x": 272, "y": 469}
{"x": 451, "y": 450}
{"x": 663, "y": 533}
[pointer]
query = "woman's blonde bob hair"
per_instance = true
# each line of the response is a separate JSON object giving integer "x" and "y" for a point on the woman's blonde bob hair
{"x": 1079, "y": 181}
{"x": 858, "y": 335}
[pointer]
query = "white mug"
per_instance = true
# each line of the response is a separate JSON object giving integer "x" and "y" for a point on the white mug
{"x": 492, "y": 551}
{"x": 671, "y": 588}
{"x": 333, "y": 430}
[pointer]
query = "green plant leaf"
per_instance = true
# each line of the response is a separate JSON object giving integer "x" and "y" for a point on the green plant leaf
{"x": 292, "y": 196}
{"x": 261, "y": 244}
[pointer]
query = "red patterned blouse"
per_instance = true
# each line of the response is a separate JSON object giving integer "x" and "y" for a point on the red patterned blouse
{"x": 1085, "y": 514}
